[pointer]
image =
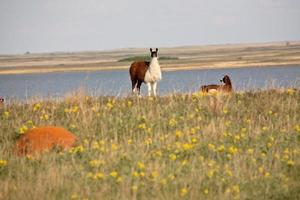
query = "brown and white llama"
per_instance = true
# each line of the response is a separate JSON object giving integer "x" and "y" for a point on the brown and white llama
{"x": 1, "y": 102}
{"x": 147, "y": 72}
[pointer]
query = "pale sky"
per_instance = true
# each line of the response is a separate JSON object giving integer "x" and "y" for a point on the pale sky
{"x": 78, "y": 25}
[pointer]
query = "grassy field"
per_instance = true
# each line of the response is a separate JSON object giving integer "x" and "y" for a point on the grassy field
{"x": 175, "y": 58}
{"x": 243, "y": 146}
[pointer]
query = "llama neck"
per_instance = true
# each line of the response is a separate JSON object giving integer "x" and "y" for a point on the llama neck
{"x": 154, "y": 65}
{"x": 153, "y": 73}
{"x": 228, "y": 83}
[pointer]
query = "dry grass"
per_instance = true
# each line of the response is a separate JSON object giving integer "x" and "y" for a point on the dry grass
{"x": 174, "y": 147}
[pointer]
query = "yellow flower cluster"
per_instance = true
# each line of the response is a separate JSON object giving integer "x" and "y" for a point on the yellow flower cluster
{"x": 3, "y": 163}
{"x": 74, "y": 109}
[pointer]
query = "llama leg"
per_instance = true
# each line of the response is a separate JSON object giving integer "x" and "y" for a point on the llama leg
{"x": 149, "y": 89}
{"x": 139, "y": 83}
{"x": 134, "y": 86}
{"x": 154, "y": 88}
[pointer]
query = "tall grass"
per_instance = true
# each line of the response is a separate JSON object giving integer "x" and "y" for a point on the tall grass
{"x": 243, "y": 146}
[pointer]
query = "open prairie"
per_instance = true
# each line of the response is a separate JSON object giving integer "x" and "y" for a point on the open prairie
{"x": 178, "y": 58}
{"x": 195, "y": 146}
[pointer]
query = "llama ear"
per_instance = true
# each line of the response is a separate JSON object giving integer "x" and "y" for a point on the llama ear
{"x": 156, "y": 49}
{"x": 151, "y": 50}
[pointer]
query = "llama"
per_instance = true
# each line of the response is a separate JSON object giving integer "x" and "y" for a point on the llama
{"x": 1, "y": 102}
{"x": 44, "y": 138}
{"x": 226, "y": 87}
{"x": 147, "y": 72}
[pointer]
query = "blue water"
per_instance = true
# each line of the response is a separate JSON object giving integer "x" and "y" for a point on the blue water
{"x": 26, "y": 86}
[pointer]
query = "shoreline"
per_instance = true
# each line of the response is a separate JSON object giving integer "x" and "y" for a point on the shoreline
{"x": 124, "y": 68}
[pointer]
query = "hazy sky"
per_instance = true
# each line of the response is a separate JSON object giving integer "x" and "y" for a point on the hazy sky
{"x": 75, "y": 25}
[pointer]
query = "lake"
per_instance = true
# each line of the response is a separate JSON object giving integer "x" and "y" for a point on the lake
{"x": 26, "y": 86}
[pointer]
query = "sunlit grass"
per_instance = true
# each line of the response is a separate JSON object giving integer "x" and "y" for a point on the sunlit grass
{"x": 243, "y": 146}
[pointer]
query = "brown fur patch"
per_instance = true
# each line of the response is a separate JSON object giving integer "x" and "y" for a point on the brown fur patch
{"x": 137, "y": 73}
{"x": 42, "y": 139}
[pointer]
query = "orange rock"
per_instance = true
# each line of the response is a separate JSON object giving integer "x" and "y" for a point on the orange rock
{"x": 42, "y": 139}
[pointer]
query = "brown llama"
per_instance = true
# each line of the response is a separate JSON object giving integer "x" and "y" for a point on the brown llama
{"x": 38, "y": 140}
{"x": 1, "y": 102}
{"x": 226, "y": 87}
{"x": 147, "y": 72}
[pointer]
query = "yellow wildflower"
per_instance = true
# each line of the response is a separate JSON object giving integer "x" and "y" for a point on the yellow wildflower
{"x": 89, "y": 175}
{"x": 210, "y": 173}
{"x": 183, "y": 191}
{"x": 297, "y": 128}
{"x": 154, "y": 174}
{"x": 148, "y": 141}
{"x": 95, "y": 145}
{"x": 221, "y": 148}
{"x": 134, "y": 187}
{"x": 99, "y": 175}
{"x": 225, "y": 110}
{"x": 141, "y": 165}
{"x": 114, "y": 174}
{"x": 158, "y": 153}
{"x": 129, "y": 103}
{"x": 135, "y": 174}
{"x": 236, "y": 189}
{"x": 265, "y": 128}
{"x": 142, "y": 174}
{"x": 3, "y": 163}
{"x": 129, "y": 141}
{"x": 290, "y": 91}
{"x": 114, "y": 147}
{"x": 163, "y": 181}
{"x": 172, "y": 156}
{"x": 250, "y": 151}
{"x": 211, "y": 147}
{"x": 23, "y": 129}
{"x": 171, "y": 176}
{"x": 205, "y": 191}
{"x": 184, "y": 162}
{"x": 172, "y": 122}
{"x": 194, "y": 140}
{"x": 96, "y": 163}
{"x": 6, "y": 114}
{"x": 178, "y": 133}
{"x": 193, "y": 131}
{"x": 142, "y": 126}
{"x": 36, "y": 107}
{"x": 232, "y": 150}
{"x": 119, "y": 179}
{"x": 290, "y": 163}
{"x": 109, "y": 105}
{"x": 74, "y": 196}
{"x": 187, "y": 146}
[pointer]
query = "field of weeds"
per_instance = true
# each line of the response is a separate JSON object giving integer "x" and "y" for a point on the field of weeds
{"x": 243, "y": 146}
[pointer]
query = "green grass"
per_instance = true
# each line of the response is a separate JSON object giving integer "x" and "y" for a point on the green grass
{"x": 146, "y": 58}
{"x": 243, "y": 146}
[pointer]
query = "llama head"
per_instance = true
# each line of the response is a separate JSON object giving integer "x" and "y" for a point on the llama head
{"x": 1, "y": 100}
{"x": 154, "y": 53}
{"x": 226, "y": 80}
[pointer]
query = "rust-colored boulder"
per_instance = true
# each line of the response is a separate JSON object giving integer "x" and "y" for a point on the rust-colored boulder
{"x": 42, "y": 139}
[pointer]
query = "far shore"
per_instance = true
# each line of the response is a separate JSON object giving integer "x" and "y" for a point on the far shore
{"x": 166, "y": 69}
{"x": 186, "y": 58}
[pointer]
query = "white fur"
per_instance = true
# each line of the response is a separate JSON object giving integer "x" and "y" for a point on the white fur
{"x": 152, "y": 76}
